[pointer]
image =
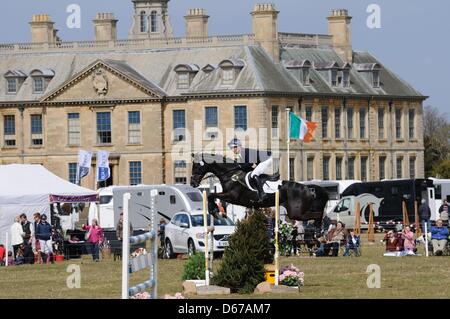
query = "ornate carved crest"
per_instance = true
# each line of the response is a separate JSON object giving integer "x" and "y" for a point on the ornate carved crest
{"x": 100, "y": 82}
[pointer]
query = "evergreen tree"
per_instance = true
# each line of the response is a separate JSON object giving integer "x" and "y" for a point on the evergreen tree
{"x": 242, "y": 267}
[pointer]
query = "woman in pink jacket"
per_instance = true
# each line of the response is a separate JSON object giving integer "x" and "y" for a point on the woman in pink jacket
{"x": 408, "y": 238}
{"x": 95, "y": 238}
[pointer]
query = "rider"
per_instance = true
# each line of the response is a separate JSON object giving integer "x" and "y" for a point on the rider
{"x": 261, "y": 161}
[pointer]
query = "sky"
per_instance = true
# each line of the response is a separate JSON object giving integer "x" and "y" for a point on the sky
{"x": 412, "y": 40}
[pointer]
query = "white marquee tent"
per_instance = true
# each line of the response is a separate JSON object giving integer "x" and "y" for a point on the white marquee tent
{"x": 32, "y": 188}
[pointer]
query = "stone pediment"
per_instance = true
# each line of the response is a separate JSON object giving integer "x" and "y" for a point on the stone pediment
{"x": 105, "y": 80}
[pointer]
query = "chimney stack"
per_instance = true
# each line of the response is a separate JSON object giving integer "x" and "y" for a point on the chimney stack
{"x": 339, "y": 26}
{"x": 196, "y": 23}
{"x": 265, "y": 29}
{"x": 105, "y": 27}
{"x": 42, "y": 29}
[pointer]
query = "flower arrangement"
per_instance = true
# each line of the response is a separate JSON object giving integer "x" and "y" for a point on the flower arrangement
{"x": 178, "y": 295}
{"x": 292, "y": 276}
{"x": 138, "y": 252}
{"x": 143, "y": 295}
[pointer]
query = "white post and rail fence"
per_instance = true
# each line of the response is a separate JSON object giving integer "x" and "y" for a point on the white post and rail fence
{"x": 145, "y": 261}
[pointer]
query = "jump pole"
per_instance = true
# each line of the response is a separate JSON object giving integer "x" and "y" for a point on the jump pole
{"x": 371, "y": 230}
{"x": 426, "y": 237}
{"x": 405, "y": 215}
{"x": 205, "y": 222}
{"x": 125, "y": 246}
{"x": 417, "y": 222}
{"x": 358, "y": 219}
{"x": 277, "y": 216}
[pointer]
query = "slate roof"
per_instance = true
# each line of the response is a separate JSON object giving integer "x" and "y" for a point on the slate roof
{"x": 154, "y": 69}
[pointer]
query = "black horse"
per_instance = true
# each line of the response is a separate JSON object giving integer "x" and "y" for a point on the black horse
{"x": 301, "y": 202}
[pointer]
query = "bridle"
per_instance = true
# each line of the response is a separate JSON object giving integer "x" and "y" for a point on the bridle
{"x": 218, "y": 175}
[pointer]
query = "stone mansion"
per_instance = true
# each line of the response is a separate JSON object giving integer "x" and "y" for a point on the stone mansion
{"x": 139, "y": 98}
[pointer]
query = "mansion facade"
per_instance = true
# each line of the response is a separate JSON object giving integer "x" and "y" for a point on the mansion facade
{"x": 143, "y": 99}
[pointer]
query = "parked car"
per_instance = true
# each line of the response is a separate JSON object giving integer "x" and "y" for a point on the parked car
{"x": 186, "y": 233}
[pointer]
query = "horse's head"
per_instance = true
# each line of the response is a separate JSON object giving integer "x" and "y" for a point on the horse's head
{"x": 206, "y": 163}
{"x": 199, "y": 169}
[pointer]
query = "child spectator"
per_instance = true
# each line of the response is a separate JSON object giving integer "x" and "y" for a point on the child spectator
{"x": 353, "y": 243}
{"x": 408, "y": 241}
{"x": 20, "y": 259}
{"x": 392, "y": 243}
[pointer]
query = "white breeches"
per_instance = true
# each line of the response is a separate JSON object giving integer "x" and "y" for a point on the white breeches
{"x": 262, "y": 167}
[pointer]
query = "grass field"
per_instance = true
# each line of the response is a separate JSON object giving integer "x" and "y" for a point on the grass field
{"x": 407, "y": 277}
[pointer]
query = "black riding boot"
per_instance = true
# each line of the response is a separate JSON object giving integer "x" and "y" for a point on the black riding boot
{"x": 259, "y": 187}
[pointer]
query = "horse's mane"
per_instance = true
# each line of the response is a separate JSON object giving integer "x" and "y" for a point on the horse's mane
{"x": 212, "y": 158}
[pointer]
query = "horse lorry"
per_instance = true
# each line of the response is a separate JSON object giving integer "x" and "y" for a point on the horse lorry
{"x": 171, "y": 199}
{"x": 386, "y": 198}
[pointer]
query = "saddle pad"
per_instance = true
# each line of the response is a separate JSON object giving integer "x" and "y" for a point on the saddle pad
{"x": 268, "y": 187}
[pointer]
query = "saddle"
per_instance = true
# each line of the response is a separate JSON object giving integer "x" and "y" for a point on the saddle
{"x": 270, "y": 182}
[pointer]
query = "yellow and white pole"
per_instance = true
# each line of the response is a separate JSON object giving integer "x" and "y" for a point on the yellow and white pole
{"x": 277, "y": 217}
{"x": 205, "y": 222}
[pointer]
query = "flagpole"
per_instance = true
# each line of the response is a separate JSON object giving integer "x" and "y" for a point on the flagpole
{"x": 288, "y": 142}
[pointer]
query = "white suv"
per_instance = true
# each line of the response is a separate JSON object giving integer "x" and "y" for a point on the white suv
{"x": 186, "y": 233}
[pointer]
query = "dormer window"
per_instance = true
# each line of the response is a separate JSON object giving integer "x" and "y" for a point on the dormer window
{"x": 346, "y": 75}
{"x": 230, "y": 70}
{"x": 14, "y": 80}
{"x": 371, "y": 72}
{"x": 38, "y": 84}
{"x": 329, "y": 70}
{"x": 185, "y": 75}
{"x": 376, "y": 78}
{"x": 301, "y": 69}
{"x": 11, "y": 84}
{"x": 227, "y": 76}
{"x": 334, "y": 77}
{"x": 306, "y": 76}
{"x": 41, "y": 79}
{"x": 346, "y": 78}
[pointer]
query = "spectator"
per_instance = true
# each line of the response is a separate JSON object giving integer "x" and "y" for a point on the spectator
{"x": 392, "y": 242}
{"x": 334, "y": 239}
{"x": 353, "y": 243}
{"x": 300, "y": 229}
{"x": 162, "y": 231}
{"x": 44, "y": 236}
{"x": 2, "y": 255}
{"x": 408, "y": 241}
{"x": 439, "y": 235}
{"x": 444, "y": 216}
{"x": 294, "y": 234}
{"x": 94, "y": 239}
{"x": 119, "y": 228}
{"x": 424, "y": 215}
{"x": 35, "y": 241}
{"x": 28, "y": 230}
{"x": 444, "y": 204}
{"x": 16, "y": 235}
{"x": 19, "y": 260}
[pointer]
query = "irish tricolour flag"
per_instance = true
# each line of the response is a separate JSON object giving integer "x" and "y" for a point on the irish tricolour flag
{"x": 299, "y": 129}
